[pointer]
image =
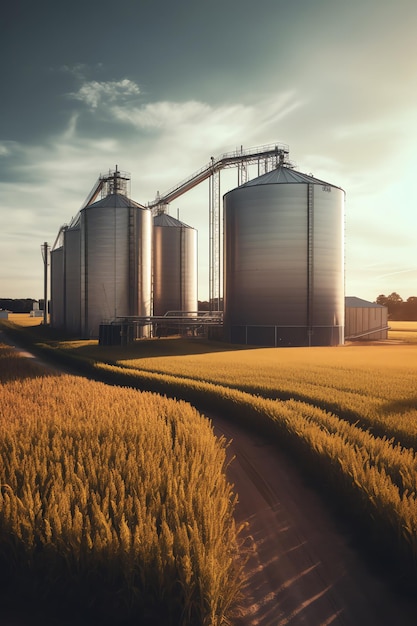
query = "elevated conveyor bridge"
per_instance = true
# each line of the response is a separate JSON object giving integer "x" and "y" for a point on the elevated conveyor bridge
{"x": 266, "y": 157}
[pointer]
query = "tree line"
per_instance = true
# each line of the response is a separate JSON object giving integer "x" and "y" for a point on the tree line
{"x": 399, "y": 309}
{"x": 17, "y": 305}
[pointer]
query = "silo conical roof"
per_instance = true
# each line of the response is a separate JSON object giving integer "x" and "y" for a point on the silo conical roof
{"x": 285, "y": 175}
{"x": 115, "y": 200}
{"x": 163, "y": 219}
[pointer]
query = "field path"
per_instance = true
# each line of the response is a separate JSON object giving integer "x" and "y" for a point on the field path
{"x": 302, "y": 569}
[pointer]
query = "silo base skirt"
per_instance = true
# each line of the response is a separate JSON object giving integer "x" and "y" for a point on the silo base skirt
{"x": 285, "y": 336}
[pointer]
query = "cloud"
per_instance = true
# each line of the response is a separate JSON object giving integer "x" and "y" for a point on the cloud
{"x": 94, "y": 93}
{"x": 78, "y": 70}
{"x": 7, "y": 148}
{"x": 162, "y": 115}
{"x": 406, "y": 271}
{"x": 197, "y": 124}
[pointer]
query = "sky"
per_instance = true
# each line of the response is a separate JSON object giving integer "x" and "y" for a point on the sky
{"x": 158, "y": 87}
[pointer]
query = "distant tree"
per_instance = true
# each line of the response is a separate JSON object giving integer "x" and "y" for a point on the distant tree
{"x": 395, "y": 298}
{"x": 17, "y": 305}
{"x": 410, "y": 309}
{"x": 397, "y": 308}
{"x": 204, "y": 305}
{"x": 382, "y": 300}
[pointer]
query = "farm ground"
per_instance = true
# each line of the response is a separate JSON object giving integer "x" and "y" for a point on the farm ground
{"x": 304, "y": 565}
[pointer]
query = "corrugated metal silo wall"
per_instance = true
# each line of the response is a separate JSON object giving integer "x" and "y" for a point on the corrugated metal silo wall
{"x": 140, "y": 273}
{"x": 284, "y": 277}
{"x": 327, "y": 265}
{"x": 174, "y": 269}
{"x": 72, "y": 265}
{"x": 361, "y": 320}
{"x": 115, "y": 265}
{"x": 57, "y": 288}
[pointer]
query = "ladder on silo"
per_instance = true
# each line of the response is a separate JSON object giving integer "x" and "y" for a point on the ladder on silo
{"x": 310, "y": 260}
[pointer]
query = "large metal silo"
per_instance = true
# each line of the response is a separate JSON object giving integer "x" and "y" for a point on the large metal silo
{"x": 57, "y": 319}
{"x": 72, "y": 269}
{"x": 116, "y": 248}
{"x": 284, "y": 261}
{"x": 174, "y": 266}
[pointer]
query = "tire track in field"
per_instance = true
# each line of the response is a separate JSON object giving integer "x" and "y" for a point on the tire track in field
{"x": 302, "y": 568}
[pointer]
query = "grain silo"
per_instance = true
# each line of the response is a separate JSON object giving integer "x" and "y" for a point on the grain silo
{"x": 115, "y": 260}
{"x": 72, "y": 269}
{"x": 174, "y": 265}
{"x": 284, "y": 261}
{"x": 57, "y": 318}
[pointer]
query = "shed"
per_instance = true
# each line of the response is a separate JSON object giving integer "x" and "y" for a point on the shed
{"x": 36, "y": 311}
{"x": 365, "y": 320}
{"x": 4, "y": 314}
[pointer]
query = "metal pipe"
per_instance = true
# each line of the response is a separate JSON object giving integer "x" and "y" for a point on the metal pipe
{"x": 45, "y": 248}
{"x": 369, "y": 332}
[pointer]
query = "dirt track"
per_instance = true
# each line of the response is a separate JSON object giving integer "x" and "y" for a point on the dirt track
{"x": 302, "y": 568}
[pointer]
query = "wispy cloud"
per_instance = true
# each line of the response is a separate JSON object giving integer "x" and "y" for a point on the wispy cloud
{"x": 94, "y": 92}
{"x": 199, "y": 126}
{"x": 406, "y": 271}
{"x": 162, "y": 115}
{"x": 7, "y": 148}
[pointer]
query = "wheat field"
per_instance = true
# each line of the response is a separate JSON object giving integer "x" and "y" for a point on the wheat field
{"x": 348, "y": 414}
{"x": 113, "y": 502}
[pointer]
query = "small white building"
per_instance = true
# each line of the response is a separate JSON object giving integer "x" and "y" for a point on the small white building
{"x": 366, "y": 321}
{"x": 36, "y": 311}
{"x": 4, "y": 314}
